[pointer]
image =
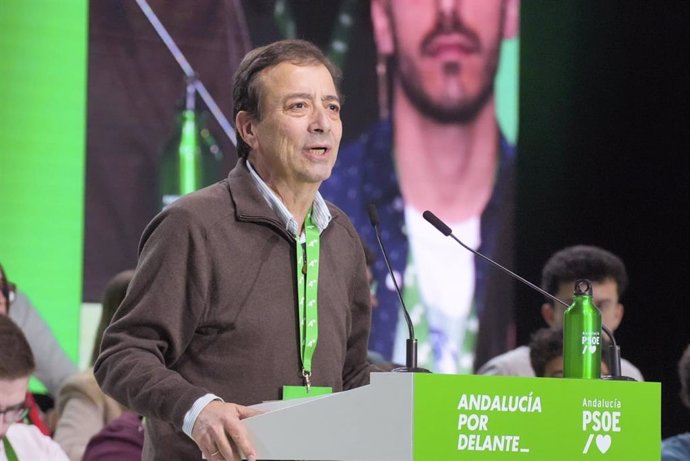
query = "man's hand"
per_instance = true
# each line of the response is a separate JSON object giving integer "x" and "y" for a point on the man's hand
{"x": 219, "y": 433}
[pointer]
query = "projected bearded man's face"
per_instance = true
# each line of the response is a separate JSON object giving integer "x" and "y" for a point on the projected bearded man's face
{"x": 445, "y": 53}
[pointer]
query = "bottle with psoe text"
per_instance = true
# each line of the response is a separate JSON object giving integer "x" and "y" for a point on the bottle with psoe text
{"x": 582, "y": 335}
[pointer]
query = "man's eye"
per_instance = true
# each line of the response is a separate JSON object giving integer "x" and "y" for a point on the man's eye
{"x": 604, "y": 305}
{"x": 334, "y": 107}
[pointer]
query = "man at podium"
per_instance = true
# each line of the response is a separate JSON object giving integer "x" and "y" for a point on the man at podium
{"x": 251, "y": 289}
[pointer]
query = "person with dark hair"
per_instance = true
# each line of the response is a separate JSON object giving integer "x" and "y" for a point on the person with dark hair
{"x": 53, "y": 366}
{"x": 122, "y": 439}
{"x": 251, "y": 289}
{"x": 19, "y": 441}
{"x": 677, "y": 447}
{"x": 82, "y": 407}
{"x": 609, "y": 280}
{"x": 546, "y": 352}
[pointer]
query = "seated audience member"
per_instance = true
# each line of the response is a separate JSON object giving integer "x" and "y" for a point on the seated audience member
{"x": 19, "y": 441}
{"x": 121, "y": 440}
{"x": 83, "y": 409}
{"x": 609, "y": 280}
{"x": 677, "y": 447}
{"x": 546, "y": 353}
{"x": 53, "y": 367}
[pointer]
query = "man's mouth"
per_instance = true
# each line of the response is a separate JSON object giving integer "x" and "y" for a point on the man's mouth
{"x": 450, "y": 44}
{"x": 318, "y": 150}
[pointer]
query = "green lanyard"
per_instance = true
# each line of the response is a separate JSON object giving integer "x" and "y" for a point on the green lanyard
{"x": 9, "y": 451}
{"x": 307, "y": 294}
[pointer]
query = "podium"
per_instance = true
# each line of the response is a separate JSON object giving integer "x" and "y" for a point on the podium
{"x": 433, "y": 417}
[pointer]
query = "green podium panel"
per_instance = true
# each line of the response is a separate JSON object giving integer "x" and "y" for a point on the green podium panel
{"x": 430, "y": 417}
{"x": 514, "y": 418}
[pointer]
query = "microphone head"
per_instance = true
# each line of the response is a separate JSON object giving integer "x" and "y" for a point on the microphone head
{"x": 437, "y": 223}
{"x": 373, "y": 215}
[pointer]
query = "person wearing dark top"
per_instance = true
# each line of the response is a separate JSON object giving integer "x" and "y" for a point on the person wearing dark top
{"x": 677, "y": 447}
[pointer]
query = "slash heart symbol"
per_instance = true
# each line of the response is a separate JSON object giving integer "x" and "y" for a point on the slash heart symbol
{"x": 603, "y": 443}
{"x": 592, "y": 348}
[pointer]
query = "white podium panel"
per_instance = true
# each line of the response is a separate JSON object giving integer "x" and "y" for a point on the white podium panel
{"x": 370, "y": 423}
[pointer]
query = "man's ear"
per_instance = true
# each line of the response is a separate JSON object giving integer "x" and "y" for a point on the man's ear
{"x": 548, "y": 313}
{"x": 511, "y": 26}
{"x": 383, "y": 32}
{"x": 246, "y": 129}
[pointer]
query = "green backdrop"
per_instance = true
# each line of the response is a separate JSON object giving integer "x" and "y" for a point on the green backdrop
{"x": 43, "y": 45}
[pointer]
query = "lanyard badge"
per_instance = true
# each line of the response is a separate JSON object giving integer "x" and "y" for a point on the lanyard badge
{"x": 307, "y": 307}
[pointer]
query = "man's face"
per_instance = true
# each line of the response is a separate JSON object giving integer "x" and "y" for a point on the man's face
{"x": 446, "y": 54}
{"x": 12, "y": 396}
{"x": 604, "y": 295}
{"x": 296, "y": 141}
{"x": 554, "y": 368}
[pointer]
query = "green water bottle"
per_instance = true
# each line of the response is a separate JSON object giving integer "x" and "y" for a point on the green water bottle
{"x": 192, "y": 158}
{"x": 582, "y": 335}
{"x": 181, "y": 170}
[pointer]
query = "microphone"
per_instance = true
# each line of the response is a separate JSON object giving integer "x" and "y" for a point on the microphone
{"x": 411, "y": 344}
{"x": 614, "y": 356}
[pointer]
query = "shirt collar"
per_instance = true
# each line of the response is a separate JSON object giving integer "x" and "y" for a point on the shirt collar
{"x": 320, "y": 215}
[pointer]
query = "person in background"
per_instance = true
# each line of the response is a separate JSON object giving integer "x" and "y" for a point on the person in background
{"x": 19, "y": 441}
{"x": 121, "y": 440}
{"x": 546, "y": 353}
{"x": 677, "y": 447}
{"x": 609, "y": 280}
{"x": 441, "y": 149}
{"x": 82, "y": 407}
{"x": 53, "y": 366}
{"x": 212, "y": 321}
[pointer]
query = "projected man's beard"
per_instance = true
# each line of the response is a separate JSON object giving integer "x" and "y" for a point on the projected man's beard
{"x": 453, "y": 104}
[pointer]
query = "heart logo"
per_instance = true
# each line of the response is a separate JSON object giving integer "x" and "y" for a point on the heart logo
{"x": 603, "y": 443}
{"x": 592, "y": 348}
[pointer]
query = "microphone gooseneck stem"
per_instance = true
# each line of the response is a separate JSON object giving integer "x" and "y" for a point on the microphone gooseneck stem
{"x": 411, "y": 343}
{"x": 614, "y": 355}
{"x": 410, "y": 326}
{"x": 411, "y": 353}
{"x": 508, "y": 271}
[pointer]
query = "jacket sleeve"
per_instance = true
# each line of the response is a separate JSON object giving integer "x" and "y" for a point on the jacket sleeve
{"x": 157, "y": 320}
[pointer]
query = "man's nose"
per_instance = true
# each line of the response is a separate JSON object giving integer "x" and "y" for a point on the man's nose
{"x": 447, "y": 7}
{"x": 321, "y": 122}
{"x": 447, "y": 13}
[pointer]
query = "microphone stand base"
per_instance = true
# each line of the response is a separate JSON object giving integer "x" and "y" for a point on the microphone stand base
{"x": 410, "y": 370}
{"x": 617, "y": 378}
